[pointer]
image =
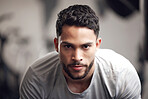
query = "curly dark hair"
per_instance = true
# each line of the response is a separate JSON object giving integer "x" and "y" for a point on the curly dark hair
{"x": 78, "y": 15}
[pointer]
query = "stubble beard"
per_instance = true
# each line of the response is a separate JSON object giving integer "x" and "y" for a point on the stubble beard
{"x": 67, "y": 71}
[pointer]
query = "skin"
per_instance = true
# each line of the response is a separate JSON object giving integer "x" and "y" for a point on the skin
{"x": 77, "y": 47}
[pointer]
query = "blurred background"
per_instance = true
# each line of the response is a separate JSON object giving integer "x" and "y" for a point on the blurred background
{"x": 27, "y": 30}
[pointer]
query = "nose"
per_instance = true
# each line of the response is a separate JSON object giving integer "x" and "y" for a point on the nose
{"x": 77, "y": 55}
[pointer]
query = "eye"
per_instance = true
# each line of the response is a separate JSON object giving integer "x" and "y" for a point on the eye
{"x": 68, "y": 46}
{"x": 86, "y": 46}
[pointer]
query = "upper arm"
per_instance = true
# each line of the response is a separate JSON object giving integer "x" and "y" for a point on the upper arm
{"x": 129, "y": 85}
{"x": 30, "y": 87}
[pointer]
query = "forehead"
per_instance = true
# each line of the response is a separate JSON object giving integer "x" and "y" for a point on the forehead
{"x": 75, "y": 33}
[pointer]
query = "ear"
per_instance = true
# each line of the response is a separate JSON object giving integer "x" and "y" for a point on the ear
{"x": 98, "y": 42}
{"x": 56, "y": 44}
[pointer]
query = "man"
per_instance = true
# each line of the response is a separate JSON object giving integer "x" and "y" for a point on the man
{"x": 78, "y": 69}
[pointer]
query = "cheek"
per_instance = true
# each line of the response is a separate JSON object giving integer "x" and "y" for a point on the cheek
{"x": 90, "y": 55}
{"x": 65, "y": 57}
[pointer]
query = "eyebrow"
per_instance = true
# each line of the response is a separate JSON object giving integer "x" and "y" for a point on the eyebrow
{"x": 64, "y": 42}
{"x": 88, "y": 43}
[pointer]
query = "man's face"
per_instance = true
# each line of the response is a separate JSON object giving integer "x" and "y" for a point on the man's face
{"x": 77, "y": 47}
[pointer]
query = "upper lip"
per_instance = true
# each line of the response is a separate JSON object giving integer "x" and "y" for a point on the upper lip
{"x": 77, "y": 66}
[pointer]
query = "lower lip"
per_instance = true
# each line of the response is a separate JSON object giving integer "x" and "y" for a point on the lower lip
{"x": 77, "y": 68}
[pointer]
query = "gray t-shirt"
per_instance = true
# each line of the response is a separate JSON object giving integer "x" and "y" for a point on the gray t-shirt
{"x": 114, "y": 78}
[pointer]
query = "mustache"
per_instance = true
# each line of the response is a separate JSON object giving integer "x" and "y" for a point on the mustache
{"x": 76, "y": 63}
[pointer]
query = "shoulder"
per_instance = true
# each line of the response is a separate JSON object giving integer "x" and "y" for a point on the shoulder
{"x": 114, "y": 64}
{"x": 43, "y": 71}
{"x": 108, "y": 55}
{"x": 45, "y": 64}
{"x": 113, "y": 60}
{"x": 43, "y": 67}
{"x": 118, "y": 71}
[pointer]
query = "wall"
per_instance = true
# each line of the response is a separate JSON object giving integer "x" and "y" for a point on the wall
{"x": 27, "y": 42}
{"x": 119, "y": 34}
{"x": 22, "y": 25}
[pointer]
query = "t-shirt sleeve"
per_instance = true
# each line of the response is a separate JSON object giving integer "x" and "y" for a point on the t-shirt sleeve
{"x": 124, "y": 75}
{"x": 30, "y": 87}
{"x": 129, "y": 86}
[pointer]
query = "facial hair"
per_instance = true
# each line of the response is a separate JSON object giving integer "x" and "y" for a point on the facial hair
{"x": 88, "y": 68}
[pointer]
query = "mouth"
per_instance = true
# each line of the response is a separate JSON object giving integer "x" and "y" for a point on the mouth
{"x": 77, "y": 67}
